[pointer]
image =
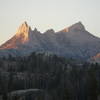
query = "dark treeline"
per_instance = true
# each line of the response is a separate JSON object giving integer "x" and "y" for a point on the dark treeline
{"x": 61, "y": 78}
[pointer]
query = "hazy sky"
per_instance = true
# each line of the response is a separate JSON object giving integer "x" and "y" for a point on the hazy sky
{"x": 46, "y": 14}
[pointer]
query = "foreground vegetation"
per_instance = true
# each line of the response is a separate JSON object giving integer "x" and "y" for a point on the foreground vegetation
{"x": 59, "y": 78}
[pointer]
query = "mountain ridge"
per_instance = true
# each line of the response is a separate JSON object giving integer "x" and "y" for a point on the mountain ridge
{"x": 72, "y": 42}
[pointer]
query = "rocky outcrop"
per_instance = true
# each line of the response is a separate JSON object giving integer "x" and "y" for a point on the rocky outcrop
{"x": 72, "y": 42}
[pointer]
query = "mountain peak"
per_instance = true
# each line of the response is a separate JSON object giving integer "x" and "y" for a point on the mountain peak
{"x": 49, "y": 31}
{"x": 77, "y": 26}
{"x": 23, "y": 31}
{"x": 75, "y": 43}
{"x": 35, "y": 29}
{"x": 25, "y": 23}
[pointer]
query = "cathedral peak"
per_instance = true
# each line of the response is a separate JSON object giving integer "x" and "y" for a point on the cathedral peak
{"x": 23, "y": 30}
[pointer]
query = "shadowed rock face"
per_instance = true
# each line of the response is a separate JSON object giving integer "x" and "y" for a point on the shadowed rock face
{"x": 72, "y": 42}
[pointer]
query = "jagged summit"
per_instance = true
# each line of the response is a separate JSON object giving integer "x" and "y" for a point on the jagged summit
{"x": 77, "y": 43}
{"x": 23, "y": 28}
{"x": 21, "y": 36}
{"x": 36, "y": 30}
{"x": 49, "y": 31}
{"x": 77, "y": 26}
{"x": 24, "y": 31}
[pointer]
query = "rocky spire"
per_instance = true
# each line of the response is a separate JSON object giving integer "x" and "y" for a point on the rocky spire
{"x": 23, "y": 31}
{"x": 49, "y": 31}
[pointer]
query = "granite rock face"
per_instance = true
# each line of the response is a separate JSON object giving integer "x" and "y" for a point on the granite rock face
{"x": 72, "y": 42}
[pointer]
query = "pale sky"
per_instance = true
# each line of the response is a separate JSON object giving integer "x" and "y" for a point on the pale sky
{"x": 47, "y": 14}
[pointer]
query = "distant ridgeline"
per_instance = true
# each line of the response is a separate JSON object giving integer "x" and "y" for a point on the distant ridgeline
{"x": 72, "y": 42}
